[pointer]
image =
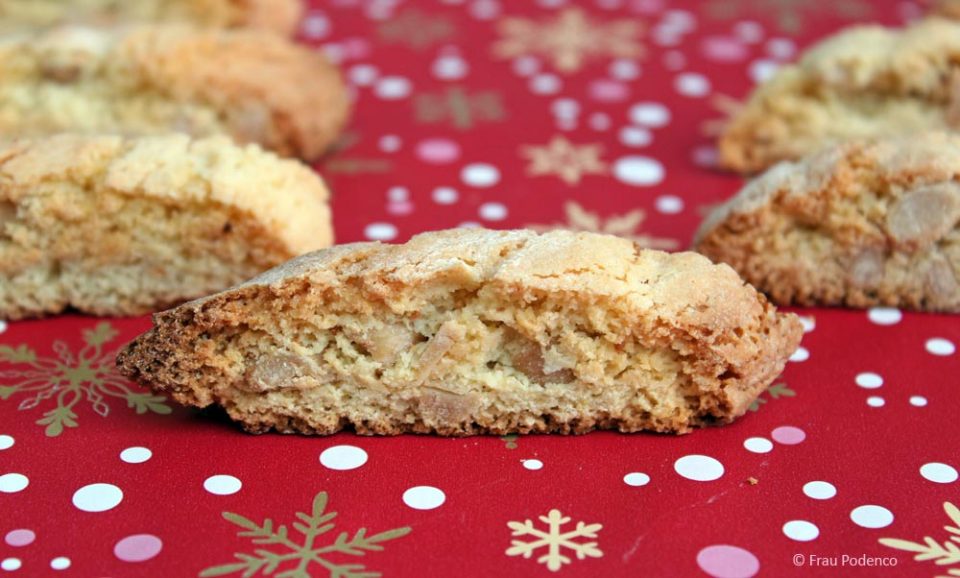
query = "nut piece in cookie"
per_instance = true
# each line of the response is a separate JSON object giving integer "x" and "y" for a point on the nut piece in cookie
{"x": 473, "y": 331}
{"x": 280, "y": 16}
{"x": 253, "y": 86}
{"x": 864, "y": 82}
{"x": 124, "y": 226}
{"x": 862, "y": 224}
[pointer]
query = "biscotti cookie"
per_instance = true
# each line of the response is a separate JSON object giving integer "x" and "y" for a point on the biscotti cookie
{"x": 947, "y": 8}
{"x": 473, "y": 331}
{"x": 151, "y": 79}
{"x": 865, "y": 82}
{"x": 119, "y": 226}
{"x": 281, "y": 16}
{"x": 861, "y": 224}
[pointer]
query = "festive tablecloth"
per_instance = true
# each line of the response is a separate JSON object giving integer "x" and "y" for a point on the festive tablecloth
{"x": 591, "y": 115}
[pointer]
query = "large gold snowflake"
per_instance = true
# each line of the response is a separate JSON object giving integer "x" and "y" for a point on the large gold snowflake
{"x": 555, "y": 541}
{"x": 565, "y": 160}
{"x": 628, "y": 226}
{"x": 942, "y": 553}
{"x": 569, "y": 39}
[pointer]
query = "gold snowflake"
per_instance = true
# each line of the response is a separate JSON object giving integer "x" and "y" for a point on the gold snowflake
{"x": 68, "y": 378}
{"x": 554, "y": 540}
{"x": 567, "y": 161}
{"x": 627, "y": 225}
{"x": 416, "y": 29}
{"x": 946, "y": 554}
{"x": 569, "y": 39}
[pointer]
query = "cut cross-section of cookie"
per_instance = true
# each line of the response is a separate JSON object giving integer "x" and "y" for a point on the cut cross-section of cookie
{"x": 865, "y": 82}
{"x": 155, "y": 79}
{"x": 473, "y": 331}
{"x": 861, "y": 224}
{"x": 280, "y": 16}
{"x": 122, "y": 226}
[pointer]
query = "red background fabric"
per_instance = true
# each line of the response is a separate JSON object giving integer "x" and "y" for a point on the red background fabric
{"x": 385, "y": 182}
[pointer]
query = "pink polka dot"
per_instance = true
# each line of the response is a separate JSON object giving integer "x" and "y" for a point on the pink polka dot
{"x": 647, "y": 6}
{"x": 400, "y": 208}
{"x": 356, "y": 48}
{"x": 605, "y": 90}
{"x": 722, "y": 561}
{"x": 18, "y": 538}
{"x": 438, "y": 151}
{"x": 138, "y": 548}
{"x": 723, "y": 49}
{"x": 788, "y": 435}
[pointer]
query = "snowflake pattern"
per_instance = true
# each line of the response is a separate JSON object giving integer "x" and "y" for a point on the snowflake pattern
{"x": 775, "y": 391}
{"x": 790, "y": 15}
{"x": 945, "y": 554}
{"x": 461, "y": 108}
{"x": 565, "y": 160}
{"x": 569, "y": 40}
{"x": 627, "y": 226}
{"x": 69, "y": 378}
{"x": 416, "y": 29}
{"x": 554, "y": 540}
{"x": 298, "y": 559}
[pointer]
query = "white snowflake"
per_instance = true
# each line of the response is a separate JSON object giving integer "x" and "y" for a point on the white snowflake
{"x": 554, "y": 540}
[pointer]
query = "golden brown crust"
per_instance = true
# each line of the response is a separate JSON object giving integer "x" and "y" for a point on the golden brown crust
{"x": 253, "y": 86}
{"x": 686, "y": 342}
{"x": 123, "y": 226}
{"x": 280, "y": 16}
{"x": 862, "y": 224}
{"x": 864, "y": 82}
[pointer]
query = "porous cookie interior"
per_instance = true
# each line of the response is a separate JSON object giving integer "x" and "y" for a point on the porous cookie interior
{"x": 862, "y": 225}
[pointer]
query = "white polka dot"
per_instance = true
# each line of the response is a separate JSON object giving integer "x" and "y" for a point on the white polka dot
{"x": 60, "y": 563}
{"x": 692, "y": 84}
{"x": 871, "y": 516}
{"x": 801, "y": 354}
{"x": 705, "y": 156}
{"x": 781, "y": 48}
{"x": 599, "y": 121}
{"x": 918, "y": 401}
{"x": 13, "y": 483}
{"x": 445, "y": 195}
{"x": 763, "y": 70}
{"x": 97, "y": 497}
{"x": 222, "y": 485}
{"x": 939, "y": 473}
{"x": 808, "y": 323}
{"x": 343, "y": 457}
{"x": 3, "y": 326}
{"x": 650, "y": 114}
{"x": 363, "y": 74}
{"x": 669, "y": 204}
{"x": 316, "y": 26}
{"x": 11, "y": 564}
{"x": 424, "y": 497}
{"x": 634, "y": 136}
{"x": 380, "y": 232}
{"x": 638, "y": 171}
{"x": 6, "y": 442}
{"x": 526, "y": 65}
{"x": 565, "y": 108}
{"x": 485, "y": 9}
{"x": 493, "y": 211}
{"x": 758, "y": 445}
{"x": 940, "y": 346}
{"x": 450, "y": 68}
{"x": 876, "y": 401}
{"x": 390, "y": 143}
{"x": 884, "y": 315}
{"x": 801, "y": 530}
{"x": 480, "y": 175}
{"x": 545, "y": 84}
{"x": 398, "y": 194}
{"x": 819, "y": 490}
{"x": 334, "y": 52}
{"x": 750, "y": 32}
{"x": 623, "y": 69}
{"x": 470, "y": 225}
{"x": 393, "y": 88}
{"x": 699, "y": 468}
{"x": 869, "y": 380}
{"x": 636, "y": 479}
{"x": 136, "y": 455}
{"x": 533, "y": 464}
{"x": 666, "y": 36}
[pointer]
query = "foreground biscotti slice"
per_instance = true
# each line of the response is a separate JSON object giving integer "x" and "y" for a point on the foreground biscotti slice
{"x": 117, "y": 226}
{"x": 280, "y": 16}
{"x": 865, "y": 82}
{"x": 156, "y": 79}
{"x": 473, "y": 331}
{"x": 861, "y": 224}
